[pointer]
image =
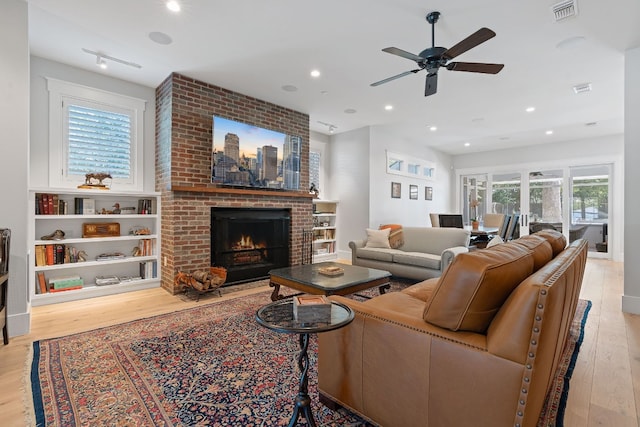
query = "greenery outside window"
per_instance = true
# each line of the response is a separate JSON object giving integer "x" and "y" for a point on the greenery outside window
{"x": 94, "y": 131}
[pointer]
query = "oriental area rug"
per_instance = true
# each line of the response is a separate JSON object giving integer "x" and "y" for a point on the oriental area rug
{"x": 207, "y": 366}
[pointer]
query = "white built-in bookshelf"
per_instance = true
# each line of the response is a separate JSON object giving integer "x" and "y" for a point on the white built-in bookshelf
{"x": 324, "y": 230}
{"x": 98, "y": 243}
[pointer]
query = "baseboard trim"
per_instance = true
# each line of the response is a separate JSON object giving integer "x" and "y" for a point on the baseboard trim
{"x": 18, "y": 324}
{"x": 630, "y": 304}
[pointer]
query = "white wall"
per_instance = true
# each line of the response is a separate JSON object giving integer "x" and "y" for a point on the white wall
{"x": 412, "y": 213}
{"x": 349, "y": 184}
{"x": 631, "y": 298}
{"x": 42, "y": 68}
{"x": 14, "y": 154}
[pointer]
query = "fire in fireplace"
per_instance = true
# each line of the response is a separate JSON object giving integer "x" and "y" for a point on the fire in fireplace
{"x": 249, "y": 242}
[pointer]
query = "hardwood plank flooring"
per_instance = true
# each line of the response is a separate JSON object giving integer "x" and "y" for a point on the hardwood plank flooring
{"x": 604, "y": 390}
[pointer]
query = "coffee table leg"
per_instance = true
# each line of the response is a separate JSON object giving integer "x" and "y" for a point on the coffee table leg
{"x": 276, "y": 291}
{"x": 384, "y": 288}
{"x": 303, "y": 401}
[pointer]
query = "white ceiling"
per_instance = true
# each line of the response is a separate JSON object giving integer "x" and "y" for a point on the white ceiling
{"x": 256, "y": 47}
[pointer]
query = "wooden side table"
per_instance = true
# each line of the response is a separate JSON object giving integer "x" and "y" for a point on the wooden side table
{"x": 278, "y": 316}
{"x": 4, "y": 284}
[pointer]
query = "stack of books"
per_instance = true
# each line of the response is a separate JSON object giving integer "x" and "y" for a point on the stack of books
{"x": 66, "y": 283}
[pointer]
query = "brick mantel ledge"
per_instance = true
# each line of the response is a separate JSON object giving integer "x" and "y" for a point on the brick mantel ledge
{"x": 227, "y": 190}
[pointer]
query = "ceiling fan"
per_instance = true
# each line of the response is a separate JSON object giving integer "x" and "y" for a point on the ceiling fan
{"x": 434, "y": 57}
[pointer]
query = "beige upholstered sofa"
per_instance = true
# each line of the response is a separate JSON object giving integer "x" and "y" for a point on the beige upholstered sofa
{"x": 477, "y": 347}
{"x": 425, "y": 253}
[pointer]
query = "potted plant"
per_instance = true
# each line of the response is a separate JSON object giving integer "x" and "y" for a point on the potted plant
{"x": 473, "y": 204}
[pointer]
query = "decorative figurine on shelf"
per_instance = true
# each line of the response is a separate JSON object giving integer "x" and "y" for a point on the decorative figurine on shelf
{"x": 82, "y": 256}
{"x": 314, "y": 190}
{"x": 116, "y": 208}
{"x": 94, "y": 181}
{"x": 56, "y": 235}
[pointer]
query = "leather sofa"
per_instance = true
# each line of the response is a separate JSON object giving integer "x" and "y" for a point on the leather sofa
{"x": 425, "y": 253}
{"x": 478, "y": 346}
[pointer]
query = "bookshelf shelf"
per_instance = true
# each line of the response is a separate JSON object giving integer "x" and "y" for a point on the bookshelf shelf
{"x": 62, "y": 212}
{"x": 325, "y": 214}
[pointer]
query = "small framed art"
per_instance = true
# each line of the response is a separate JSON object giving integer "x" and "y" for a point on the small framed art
{"x": 428, "y": 193}
{"x": 395, "y": 190}
{"x": 413, "y": 192}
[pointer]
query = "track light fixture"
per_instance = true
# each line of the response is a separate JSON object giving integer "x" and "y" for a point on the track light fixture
{"x": 102, "y": 63}
{"x": 331, "y": 127}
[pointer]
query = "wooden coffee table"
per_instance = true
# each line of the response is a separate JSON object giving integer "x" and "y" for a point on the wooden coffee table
{"x": 307, "y": 279}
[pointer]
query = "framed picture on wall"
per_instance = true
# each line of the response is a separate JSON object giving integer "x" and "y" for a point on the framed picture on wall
{"x": 428, "y": 193}
{"x": 395, "y": 190}
{"x": 413, "y": 192}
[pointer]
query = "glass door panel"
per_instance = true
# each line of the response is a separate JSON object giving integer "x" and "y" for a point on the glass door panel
{"x": 545, "y": 200}
{"x": 474, "y": 197}
{"x": 506, "y": 189}
{"x": 590, "y": 190}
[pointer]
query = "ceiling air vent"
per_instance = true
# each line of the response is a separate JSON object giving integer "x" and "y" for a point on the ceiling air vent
{"x": 582, "y": 88}
{"x": 563, "y": 10}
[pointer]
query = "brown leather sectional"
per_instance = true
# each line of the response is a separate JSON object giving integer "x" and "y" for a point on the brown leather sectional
{"x": 476, "y": 347}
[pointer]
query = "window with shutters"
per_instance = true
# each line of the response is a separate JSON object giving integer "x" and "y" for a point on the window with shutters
{"x": 93, "y": 131}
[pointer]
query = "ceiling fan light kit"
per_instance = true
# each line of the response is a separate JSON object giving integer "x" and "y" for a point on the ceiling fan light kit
{"x": 434, "y": 57}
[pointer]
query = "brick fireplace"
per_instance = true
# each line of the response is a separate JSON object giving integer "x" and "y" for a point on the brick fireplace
{"x": 184, "y": 111}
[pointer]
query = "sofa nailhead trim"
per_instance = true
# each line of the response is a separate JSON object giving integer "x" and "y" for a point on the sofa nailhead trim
{"x": 535, "y": 333}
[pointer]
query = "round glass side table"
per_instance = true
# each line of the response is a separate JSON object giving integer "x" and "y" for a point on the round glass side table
{"x": 278, "y": 316}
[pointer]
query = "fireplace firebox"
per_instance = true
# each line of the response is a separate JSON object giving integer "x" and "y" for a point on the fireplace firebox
{"x": 249, "y": 242}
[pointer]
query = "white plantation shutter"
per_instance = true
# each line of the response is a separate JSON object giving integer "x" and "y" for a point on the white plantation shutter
{"x": 98, "y": 141}
{"x": 94, "y": 131}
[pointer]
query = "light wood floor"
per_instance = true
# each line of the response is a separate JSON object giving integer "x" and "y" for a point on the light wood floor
{"x": 605, "y": 388}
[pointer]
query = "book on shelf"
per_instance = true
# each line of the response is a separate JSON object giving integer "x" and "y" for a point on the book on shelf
{"x": 148, "y": 270}
{"x": 65, "y": 282}
{"x": 42, "y": 284}
{"x": 41, "y": 255}
{"x": 71, "y": 288}
{"x": 84, "y": 206}
{"x": 145, "y": 206}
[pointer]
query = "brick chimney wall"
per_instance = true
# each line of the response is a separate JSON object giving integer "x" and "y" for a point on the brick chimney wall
{"x": 184, "y": 115}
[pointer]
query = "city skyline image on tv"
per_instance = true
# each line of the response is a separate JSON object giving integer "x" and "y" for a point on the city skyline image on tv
{"x": 250, "y": 156}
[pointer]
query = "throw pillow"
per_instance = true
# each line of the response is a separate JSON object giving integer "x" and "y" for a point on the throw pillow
{"x": 495, "y": 241}
{"x": 396, "y": 238}
{"x": 378, "y": 238}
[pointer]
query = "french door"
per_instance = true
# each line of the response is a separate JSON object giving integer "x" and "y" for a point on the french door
{"x": 572, "y": 200}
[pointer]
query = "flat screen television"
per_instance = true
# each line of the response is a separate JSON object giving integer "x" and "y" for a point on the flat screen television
{"x": 244, "y": 155}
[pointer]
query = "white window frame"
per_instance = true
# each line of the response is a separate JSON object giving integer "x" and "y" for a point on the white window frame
{"x": 61, "y": 92}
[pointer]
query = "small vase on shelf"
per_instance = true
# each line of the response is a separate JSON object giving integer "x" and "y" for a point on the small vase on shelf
{"x": 475, "y": 224}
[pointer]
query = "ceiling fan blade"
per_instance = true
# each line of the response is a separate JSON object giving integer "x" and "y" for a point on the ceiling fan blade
{"x": 403, "y": 53}
{"x": 480, "y": 36}
{"x": 431, "y": 85}
{"x": 388, "y": 79}
{"x": 475, "y": 67}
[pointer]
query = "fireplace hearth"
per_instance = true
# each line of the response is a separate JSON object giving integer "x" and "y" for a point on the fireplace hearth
{"x": 249, "y": 242}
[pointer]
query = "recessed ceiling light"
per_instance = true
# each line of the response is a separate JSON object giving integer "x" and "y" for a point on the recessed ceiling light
{"x": 530, "y": 109}
{"x": 173, "y": 6}
{"x": 591, "y": 123}
{"x": 549, "y": 132}
{"x": 388, "y": 107}
{"x": 350, "y": 111}
{"x": 433, "y": 128}
{"x": 467, "y": 144}
{"x": 324, "y": 92}
{"x": 160, "y": 38}
{"x": 315, "y": 73}
{"x": 477, "y": 120}
{"x": 289, "y": 88}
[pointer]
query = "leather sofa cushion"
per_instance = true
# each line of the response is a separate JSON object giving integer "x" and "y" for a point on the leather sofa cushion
{"x": 418, "y": 259}
{"x": 541, "y": 248}
{"x": 378, "y": 254}
{"x": 422, "y": 290}
{"x": 555, "y": 238}
{"x": 475, "y": 285}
